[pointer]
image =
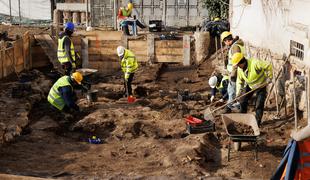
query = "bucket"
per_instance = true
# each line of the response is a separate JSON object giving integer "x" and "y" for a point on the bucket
{"x": 92, "y": 96}
{"x": 131, "y": 99}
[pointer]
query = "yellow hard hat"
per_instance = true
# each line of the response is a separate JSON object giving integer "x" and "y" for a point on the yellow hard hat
{"x": 78, "y": 77}
{"x": 236, "y": 58}
{"x": 216, "y": 19}
{"x": 129, "y": 6}
{"x": 225, "y": 34}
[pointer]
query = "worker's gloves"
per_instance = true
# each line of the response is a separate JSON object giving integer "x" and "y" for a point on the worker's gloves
{"x": 221, "y": 100}
{"x": 212, "y": 98}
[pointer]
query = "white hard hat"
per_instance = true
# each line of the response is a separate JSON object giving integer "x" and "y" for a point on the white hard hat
{"x": 213, "y": 81}
{"x": 120, "y": 50}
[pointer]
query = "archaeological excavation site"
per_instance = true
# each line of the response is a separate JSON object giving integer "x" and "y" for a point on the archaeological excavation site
{"x": 154, "y": 89}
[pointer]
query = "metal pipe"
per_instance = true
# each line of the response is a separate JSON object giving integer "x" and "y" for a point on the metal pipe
{"x": 295, "y": 103}
{"x": 114, "y": 14}
{"x": 87, "y": 10}
{"x": 19, "y": 13}
{"x": 10, "y": 5}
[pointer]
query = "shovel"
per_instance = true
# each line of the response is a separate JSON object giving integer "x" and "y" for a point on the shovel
{"x": 208, "y": 113}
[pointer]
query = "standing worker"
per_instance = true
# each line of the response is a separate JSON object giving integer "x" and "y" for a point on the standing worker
{"x": 62, "y": 95}
{"x": 129, "y": 66}
{"x": 235, "y": 45}
{"x": 124, "y": 18}
{"x": 252, "y": 74}
{"x": 66, "y": 53}
{"x": 219, "y": 82}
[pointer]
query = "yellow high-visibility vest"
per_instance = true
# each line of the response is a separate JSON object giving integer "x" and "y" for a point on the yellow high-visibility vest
{"x": 63, "y": 57}
{"x": 255, "y": 74}
{"x": 54, "y": 96}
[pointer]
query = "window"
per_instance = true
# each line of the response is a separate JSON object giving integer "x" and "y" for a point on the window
{"x": 297, "y": 49}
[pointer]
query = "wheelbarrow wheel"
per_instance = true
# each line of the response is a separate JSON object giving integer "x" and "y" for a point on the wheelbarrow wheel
{"x": 237, "y": 146}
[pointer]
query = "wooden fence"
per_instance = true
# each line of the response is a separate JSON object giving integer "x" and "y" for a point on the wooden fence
{"x": 15, "y": 56}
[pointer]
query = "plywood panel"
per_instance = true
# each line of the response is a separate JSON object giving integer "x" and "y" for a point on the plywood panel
{"x": 169, "y": 44}
{"x": 163, "y": 58}
{"x": 169, "y": 51}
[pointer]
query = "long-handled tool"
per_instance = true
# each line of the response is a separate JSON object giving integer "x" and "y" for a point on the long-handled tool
{"x": 208, "y": 112}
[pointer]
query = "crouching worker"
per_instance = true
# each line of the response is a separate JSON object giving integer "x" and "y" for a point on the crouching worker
{"x": 219, "y": 83}
{"x": 252, "y": 74}
{"x": 129, "y": 66}
{"x": 62, "y": 95}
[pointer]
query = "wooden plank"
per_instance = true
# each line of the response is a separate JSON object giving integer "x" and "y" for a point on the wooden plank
{"x": 186, "y": 50}
{"x": 142, "y": 58}
{"x": 168, "y": 44}
{"x": 109, "y": 51}
{"x": 150, "y": 47}
{"x": 104, "y": 43}
{"x": 163, "y": 58}
{"x": 1, "y": 63}
{"x": 50, "y": 49}
{"x": 8, "y": 66}
{"x": 18, "y": 55}
{"x": 169, "y": 51}
{"x": 26, "y": 50}
{"x": 85, "y": 51}
{"x": 137, "y": 44}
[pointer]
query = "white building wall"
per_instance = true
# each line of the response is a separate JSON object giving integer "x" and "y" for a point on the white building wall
{"x": 271, "y": 24}
{"x": 32, "y": 9}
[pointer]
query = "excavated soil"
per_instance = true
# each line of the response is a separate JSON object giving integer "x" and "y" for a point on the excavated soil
{"x": 240, "y": 129}
{"x": 142, "y": 140}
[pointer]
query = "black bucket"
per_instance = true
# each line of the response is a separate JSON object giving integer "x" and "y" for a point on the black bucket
{"x": 92, "y": 96}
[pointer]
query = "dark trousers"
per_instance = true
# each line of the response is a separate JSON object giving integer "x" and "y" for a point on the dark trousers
{"x": 259, "y": 104}
{"x": 127, "y": 84}
{"x": 130, "y": 23}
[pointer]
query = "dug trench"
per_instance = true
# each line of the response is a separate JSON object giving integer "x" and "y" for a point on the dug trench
{"x": 140, "y": 140}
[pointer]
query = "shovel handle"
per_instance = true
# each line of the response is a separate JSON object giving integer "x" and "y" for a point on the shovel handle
{"x": 261, "y": 86}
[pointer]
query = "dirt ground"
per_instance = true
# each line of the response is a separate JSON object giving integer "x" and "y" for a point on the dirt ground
{"x": 142, "y": 140}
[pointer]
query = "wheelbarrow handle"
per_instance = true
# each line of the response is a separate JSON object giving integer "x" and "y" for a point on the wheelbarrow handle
{"x": 237, "y": 98}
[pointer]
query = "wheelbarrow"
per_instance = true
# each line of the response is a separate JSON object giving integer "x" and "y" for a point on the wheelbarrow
{"x": 234, "y": 136}
{"x": 208, "y": 113}
{"x": 196, "y": 125}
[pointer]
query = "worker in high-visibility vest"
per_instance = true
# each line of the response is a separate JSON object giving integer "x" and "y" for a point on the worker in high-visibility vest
{"x": 235, "y": 45}
{"x": 124, "y": 18}
{"x": 62, "y": 95}
{"x": 219, "y": 83}
{"x": 252, "y": 74}
{"x": 66, "y": 53}
{"x": 129, "y": 66}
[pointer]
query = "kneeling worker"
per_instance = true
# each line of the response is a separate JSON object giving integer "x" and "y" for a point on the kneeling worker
{"x": 62, "y": 95}
{"x": 129, "y": 66}
{"x": 252, "y": 74}
{"x": 219, "y": 83}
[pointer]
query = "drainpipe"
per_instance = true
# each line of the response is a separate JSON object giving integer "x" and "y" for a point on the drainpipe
{"x": 114, "y": 14}
{"x": 87, "y": 10}
{"x": 10, "y": 5}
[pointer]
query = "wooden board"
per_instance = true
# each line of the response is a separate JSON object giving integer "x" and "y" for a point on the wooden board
{"x": 163, "y": 58}
{"x": 169, "y": 51}
{"x": 50, "y": 49}
{"x": 168, "y": 44}
{"x": 26, "y": 50}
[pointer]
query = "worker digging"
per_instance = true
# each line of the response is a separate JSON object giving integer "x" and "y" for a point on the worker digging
{"x": 84, "y": 95}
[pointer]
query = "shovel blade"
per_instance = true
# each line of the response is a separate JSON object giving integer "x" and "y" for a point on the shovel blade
{"x": 131, "y": 99}
{"x": 207, "y": 115}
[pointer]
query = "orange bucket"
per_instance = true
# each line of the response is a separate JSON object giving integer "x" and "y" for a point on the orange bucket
{"x": 131, "y": 99}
